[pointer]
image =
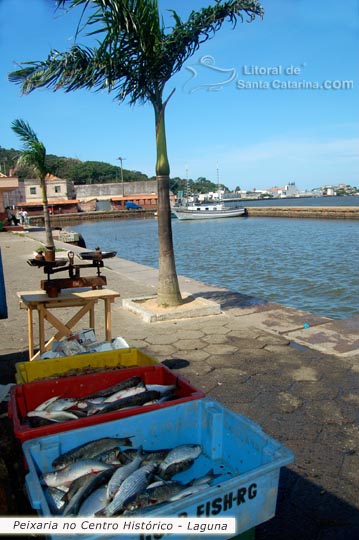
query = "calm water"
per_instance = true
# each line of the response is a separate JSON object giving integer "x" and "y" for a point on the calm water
{"x": 351, "y": 200}
{"x": 307, "y": 264}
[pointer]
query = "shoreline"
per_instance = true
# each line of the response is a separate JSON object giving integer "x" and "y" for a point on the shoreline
{"x": 308, "y": 212}
{"x": 299, "y": 212}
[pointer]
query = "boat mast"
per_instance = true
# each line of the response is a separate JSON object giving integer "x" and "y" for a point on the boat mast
{"x": 218, "y": 193}
{"x": 186, "y": 184}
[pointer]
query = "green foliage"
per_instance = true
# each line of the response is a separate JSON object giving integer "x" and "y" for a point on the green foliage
{"x": 193, "y": 187}
{"x": 34, "y": 151}
{"x": 137, "y": 52}
{"x": 34, "y": 154}
{"x": 79, "y": 172}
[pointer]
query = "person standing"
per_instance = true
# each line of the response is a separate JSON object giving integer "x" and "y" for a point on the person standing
{"x": 12, "y": 219}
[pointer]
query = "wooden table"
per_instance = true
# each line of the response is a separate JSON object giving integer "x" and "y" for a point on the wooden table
{"x": 83, "y": 298}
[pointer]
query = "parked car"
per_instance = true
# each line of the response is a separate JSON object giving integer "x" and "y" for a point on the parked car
{"x": 133, "y": 206}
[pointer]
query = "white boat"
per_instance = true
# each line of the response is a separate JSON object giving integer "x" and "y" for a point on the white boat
{"x": 207, "y": 211}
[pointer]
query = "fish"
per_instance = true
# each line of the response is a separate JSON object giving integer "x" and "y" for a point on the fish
{"x": 149, "y": 456}
{"x": 163, "y": 388}
{"x": 94, "y": 502}
{"x": 67, "y": 475}
{"x": 127, "y": 383}
{"x": 179, "y": 459}
{"x": 62, "y": 404}
{"x": 113, "y": 456}
{"x": 205, "y": 479}
{"x": 90, "y": 483}
{"x": 53, "y": 416}
{"x": 130, "y": 487}
{"x": 121, "y": 474}
{"x": 90, "y": 450}
{"x": 155, "y": 493}
{"x": 94, "y": 408}
{"x": 187, "y": 491}
{"x": 55, "y": 500}
{"x": 42, "y": 406}
{"x": 72, "y": 472}
{"x": 138, "y": 399}
{"x": 125, "y": 393}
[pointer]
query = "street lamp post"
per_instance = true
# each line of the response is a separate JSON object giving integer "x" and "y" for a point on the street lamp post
{"x": 121, "y": 159}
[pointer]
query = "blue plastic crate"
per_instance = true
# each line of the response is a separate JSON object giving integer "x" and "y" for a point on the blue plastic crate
{"x": 248, "y": 459}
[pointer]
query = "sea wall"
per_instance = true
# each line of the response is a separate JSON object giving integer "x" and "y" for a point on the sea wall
{"x": 300, "y": 212}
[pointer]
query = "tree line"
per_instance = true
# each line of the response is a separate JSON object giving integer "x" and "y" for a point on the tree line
{"x": 97, "y": 172}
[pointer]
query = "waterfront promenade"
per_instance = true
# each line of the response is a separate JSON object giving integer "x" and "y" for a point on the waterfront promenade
{"x": 295, "y": 374}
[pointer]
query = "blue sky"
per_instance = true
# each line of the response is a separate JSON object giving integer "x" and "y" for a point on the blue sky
{"x": 246, "y": 104}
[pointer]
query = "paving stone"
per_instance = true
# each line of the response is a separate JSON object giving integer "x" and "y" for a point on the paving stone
{"x": 305, "y": 374}
{"x": 161, "y": 339}
{"x": 314, "y": 390}
{"x": 336, "y": 412}
{"x": 186, "y": 344}
{"x": 159, "y": 352}
{"x": 219, "y": 349}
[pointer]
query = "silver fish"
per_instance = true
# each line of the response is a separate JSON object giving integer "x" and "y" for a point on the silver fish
{"x": 149, "y": 456}
{"x": 42, "y": 406}
{"x": 55, "y": 500}
{"x": 205, "y": 479}
{"x": 162, "y": 388}
{"x": 90, "y": 484}
{"x": 62, "y": 404}
{"x": 90, "y": 450}
{"x": 53, "y": 416}
{"x": 154, "y": 494}
{"x": 137, "y": 399}
{"x": 179, "y": 458}
{"x": 71, "y": 472}
{"x": 114, "y": 456}
{"x": 94, "y": 502}
{"x": 125, "y": 393}
{"x": 130, "y": 487}
{"x": 186, "y": 492}
{"x": 121, "y": 474}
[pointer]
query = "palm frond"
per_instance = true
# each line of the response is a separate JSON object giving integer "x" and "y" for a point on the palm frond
{"x": 136, "y": 54}
{"x": 34, "y": 152}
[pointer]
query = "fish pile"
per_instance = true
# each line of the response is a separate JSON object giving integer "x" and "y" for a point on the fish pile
{"x": 129, "y": 393}
{"x": 101, "y": 479}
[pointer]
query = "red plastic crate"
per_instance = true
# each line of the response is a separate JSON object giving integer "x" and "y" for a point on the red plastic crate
{"x": 26, "y": 397}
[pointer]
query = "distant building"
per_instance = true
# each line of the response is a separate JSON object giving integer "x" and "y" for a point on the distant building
{"x": 60, "y": 196}
{"x": 57, "y": 188}
{"x": 289, "y": 190}
{"x": 8, "y": 184}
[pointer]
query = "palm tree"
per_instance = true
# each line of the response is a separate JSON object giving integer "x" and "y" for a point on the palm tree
{"x": 34, "y": 155}
{"x": 136, "y": 55}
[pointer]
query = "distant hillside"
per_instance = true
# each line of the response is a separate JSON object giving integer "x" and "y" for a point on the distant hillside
{"x": 98, "y": 172}
{"x": 80, "y": 172}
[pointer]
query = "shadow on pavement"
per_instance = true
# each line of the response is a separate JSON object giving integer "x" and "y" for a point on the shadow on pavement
{"x": 307, "y": 512}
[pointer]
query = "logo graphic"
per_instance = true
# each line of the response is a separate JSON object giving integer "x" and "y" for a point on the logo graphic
{"x": 206, "y": 68}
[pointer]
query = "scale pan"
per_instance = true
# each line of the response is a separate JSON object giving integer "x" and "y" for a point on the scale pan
{"x": 42, "y": 262}
{"x": 95, "y": 255}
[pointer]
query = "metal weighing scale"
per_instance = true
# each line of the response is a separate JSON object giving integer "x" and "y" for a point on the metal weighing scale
{"x": 74, "y": 280}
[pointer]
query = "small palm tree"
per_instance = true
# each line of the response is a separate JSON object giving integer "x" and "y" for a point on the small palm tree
{"x": 136, "y": 56}
{"x": 34, "y": 155}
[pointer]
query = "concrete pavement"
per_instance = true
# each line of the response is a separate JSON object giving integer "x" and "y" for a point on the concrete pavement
{"x": 295, "y": 374}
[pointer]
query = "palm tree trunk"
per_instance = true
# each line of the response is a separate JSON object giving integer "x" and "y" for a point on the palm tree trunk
{"x": 168, "y": 293}
{"x": 50, "y": 245}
